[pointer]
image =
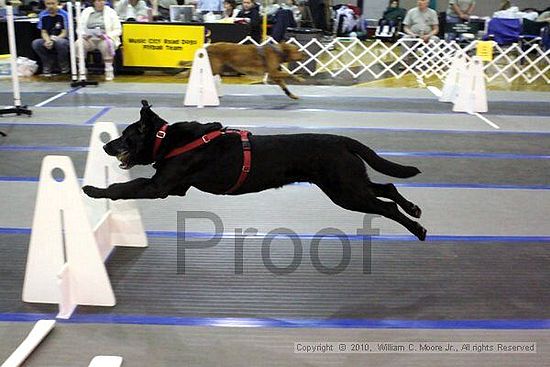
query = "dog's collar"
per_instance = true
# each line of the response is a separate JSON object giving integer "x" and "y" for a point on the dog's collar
{"x": 158, "y": 140}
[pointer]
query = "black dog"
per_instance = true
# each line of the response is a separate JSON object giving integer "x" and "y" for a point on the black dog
{"x": 334, "y": 163}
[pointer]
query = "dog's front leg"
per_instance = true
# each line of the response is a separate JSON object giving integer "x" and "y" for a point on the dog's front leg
{"x": 140, "y": 188}
{"x": 279, "y": 77}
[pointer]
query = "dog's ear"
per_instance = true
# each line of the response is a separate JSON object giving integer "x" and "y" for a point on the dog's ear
{"x": 146, "y": 115}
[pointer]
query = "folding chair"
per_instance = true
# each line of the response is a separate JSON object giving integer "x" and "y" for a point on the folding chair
{"x": 531, "y": 33}
{"x": 388, "y": 30}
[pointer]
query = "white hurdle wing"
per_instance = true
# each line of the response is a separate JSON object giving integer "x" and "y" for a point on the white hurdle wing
{"x": 201, "y": 88}
{"x": 63, "y": 245}
{"x": 117, "y": 223}
{"x": 72, "y": 234}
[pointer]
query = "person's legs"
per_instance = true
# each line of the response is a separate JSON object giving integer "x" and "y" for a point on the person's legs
{"x": 106, "y": 47}
{"x": 45, "y": 55}
{"x": 62, "y": 49}
{"x": 87, "y": 44}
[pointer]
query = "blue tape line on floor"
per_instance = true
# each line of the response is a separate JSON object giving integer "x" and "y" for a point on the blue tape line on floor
{"x": 96, "y": 117}
{"x": 350, "y": 237}
{"x": 286, "y": 323}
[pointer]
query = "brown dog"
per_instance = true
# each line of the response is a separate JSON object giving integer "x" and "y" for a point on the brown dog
{"x": 255, "y": 60}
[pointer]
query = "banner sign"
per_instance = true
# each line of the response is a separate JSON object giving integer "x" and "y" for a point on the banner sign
{"x": 153, "y": 45}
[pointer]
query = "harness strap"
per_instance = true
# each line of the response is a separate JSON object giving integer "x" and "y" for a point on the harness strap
{"x": 158, "y": 139}
{"x": 247, "y": 159}
{"x": 205, "y": 139}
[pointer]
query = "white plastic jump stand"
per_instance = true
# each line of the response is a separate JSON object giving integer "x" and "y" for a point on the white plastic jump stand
{"x": 116, "y": 223}
{"x": 40, "y": 330}
{"x": 218, "y": 82}
{"x": 106, "y": 361}
{"x": 201, "y": 89}
{"x": 472, "y": 94}
{"x": 64, "y": 264}
{"x": 449, "y": 92}
{"x": 480, "y": 89}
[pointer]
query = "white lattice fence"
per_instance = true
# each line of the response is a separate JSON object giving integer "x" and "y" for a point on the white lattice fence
{"x": 424, "y": 60}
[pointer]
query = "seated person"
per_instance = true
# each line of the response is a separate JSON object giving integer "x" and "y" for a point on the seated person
{"x": 421, "y": 22}
{"x": 393, "y": 14}
{"x": 251, "y": 13}
{"x": 100, "y": 29}
{"x": 391, "y": 20}
{"x": 230, "y": 9}
{"x": 53, "y": 44}
{"x": 129, "y": 10}
{"x": 459, "y": 11}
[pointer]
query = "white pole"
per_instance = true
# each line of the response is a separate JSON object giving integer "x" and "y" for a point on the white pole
{"x": 13, "y": 58}
{"x": 74, "y": 71}
{"x": 81, "y": 61}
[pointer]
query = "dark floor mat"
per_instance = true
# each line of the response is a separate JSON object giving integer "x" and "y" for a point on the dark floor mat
{"x": 407, "y": 280}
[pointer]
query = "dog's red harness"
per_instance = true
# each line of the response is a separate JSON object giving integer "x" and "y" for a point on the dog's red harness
{"x": 205, "y": 139}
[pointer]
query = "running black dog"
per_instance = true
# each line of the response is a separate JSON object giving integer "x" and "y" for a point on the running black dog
{"x": 215, "y": 160}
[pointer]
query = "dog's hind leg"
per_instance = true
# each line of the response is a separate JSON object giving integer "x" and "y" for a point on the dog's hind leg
{"x": 360, "y": 200}
{"x": 391, "y": 211}
{"x": 389, "y": 191}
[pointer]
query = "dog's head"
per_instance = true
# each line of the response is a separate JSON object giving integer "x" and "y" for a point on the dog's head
{"x": 291, "y": 52}
{"x": 135, "y": 144}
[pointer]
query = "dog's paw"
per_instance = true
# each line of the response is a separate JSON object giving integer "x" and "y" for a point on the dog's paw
{"x": 421, "y": 233}
{"x": 93, "y": 192}
{"x": 415, "y": 211}
{"x": 293, "y": 96}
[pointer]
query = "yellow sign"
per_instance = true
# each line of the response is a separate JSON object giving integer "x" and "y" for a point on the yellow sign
{"x": 484, "y": 50}
{"x": 159, "y": 45}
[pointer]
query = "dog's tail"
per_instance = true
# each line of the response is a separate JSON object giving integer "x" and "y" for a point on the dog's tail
{"x": 380, "y": 164}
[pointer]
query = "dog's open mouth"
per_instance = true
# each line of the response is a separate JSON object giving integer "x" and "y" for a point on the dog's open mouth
{"x": 124, "y": 159}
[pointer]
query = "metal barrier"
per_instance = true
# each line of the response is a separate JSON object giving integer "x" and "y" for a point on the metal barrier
{"x": 413, "y": 56}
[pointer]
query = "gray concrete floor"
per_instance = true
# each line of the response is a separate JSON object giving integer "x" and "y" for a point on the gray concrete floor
{"x": 459, "y": 211}
{"x": 75, "y": 345}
